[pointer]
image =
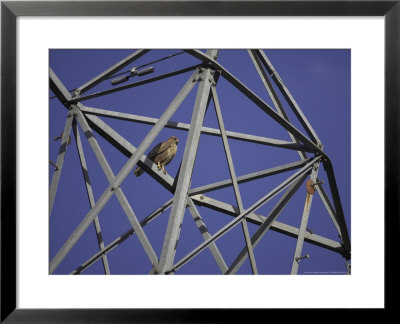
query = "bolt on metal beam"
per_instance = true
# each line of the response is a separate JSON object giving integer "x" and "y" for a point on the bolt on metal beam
{"x": 60, "y": 161}
{"x": 122, "y": 174}
{"x": 304, "y": 222}
{"x": 89, "y": 192}
{"x": 53, "y": 164}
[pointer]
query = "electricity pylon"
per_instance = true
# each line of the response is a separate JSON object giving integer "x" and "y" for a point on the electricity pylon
{"x": 205, "y": 76}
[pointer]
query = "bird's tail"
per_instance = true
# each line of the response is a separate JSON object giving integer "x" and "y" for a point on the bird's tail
{"x": 138, "y": 171}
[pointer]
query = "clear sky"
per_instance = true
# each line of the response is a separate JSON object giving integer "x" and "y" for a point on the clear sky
{"x": 319, "y": 80}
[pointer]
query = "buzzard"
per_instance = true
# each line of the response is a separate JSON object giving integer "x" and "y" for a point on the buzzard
{"x": 161, "y": 154}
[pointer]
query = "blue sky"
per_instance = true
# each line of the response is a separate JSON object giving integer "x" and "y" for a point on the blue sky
{"x": 319, "y": 80}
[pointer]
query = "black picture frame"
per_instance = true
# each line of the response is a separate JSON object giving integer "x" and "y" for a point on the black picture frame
{"x": 10, "y": 10}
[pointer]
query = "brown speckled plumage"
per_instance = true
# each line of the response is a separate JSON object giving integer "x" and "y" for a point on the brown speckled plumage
{"x": 162, "y": 154}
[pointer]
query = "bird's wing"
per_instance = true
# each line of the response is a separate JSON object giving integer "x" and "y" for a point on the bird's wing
{"x": 159, "y": 148}
{"x": 168, "y": 155}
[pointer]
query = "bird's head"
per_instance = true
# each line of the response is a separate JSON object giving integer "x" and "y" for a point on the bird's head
{"x": 174, "y": 138}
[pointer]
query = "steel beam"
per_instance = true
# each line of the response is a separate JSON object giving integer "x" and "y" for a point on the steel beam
{"x": 206, "y": 235}
{"x": 167, "y": 181}
{"x": 185, "y": 174}
{"x": 110, "y": 71}
{"x": 268, "y": 65}
{"x": 59, "y": 89}
{"x": 286, "y": 93}
{"x": 230, "y": 210}
{"x": 89, "y": 192}
{"x": 204, "y": 130}
{"x": 328, "y": 205}
{"x": 126, "y": 148}
{"x": 60, "y": 161}
{"x": 304, "y": 222}
{"x": 122, "y": 174}
{"x": 257, "y": 100}
{"x": 266, "y": 224}
{"x": 271, "y": 91}
{"x": 121, "y": 239}
{"x": 338, "y": 206}
{"x": 259, "y": 67}
{"x": 238, "y": 219}
{"x": 234, "y": 180}
{"x": 132, "y": 85}
{"x": 313, "y": 238}
{"x": 276, "y": 226}
{"x": 249, "y": 177}
{"x": 118, "y": 191}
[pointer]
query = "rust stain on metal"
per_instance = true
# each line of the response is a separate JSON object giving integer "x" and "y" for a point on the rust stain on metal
{"x": 310, "y": 187}
{"x": 308, "y": 200}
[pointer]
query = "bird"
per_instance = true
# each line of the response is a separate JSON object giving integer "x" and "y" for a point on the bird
{"x": 161, "y": 154}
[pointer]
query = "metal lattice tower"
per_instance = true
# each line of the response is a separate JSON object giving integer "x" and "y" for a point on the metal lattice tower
{"x": 204, "y": 76}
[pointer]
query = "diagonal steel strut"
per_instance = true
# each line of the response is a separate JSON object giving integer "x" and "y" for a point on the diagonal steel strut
{"x": 255, "y": 56}
{"x": 234, "y": 180}
{"x": 266, "y": 224}
{"x": 238, "y": 219}
{"x": 285, "y": 91}
{"x": 121, "y": 239}
{"x": 122, "y": 174}
{"x": 60, "y": 161}
{"x": 206, "y": 235}
{"x": 110, "y": 71}
{"x": 257, "y": 100}
{"x": 185, "y": 174}
{"x": 167, "y": 182}
{"x": 304, "y": 222}
{"x": 89, "y": 191}
{"x": 118, "y": 191}
{"x": 204, "y": 130}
